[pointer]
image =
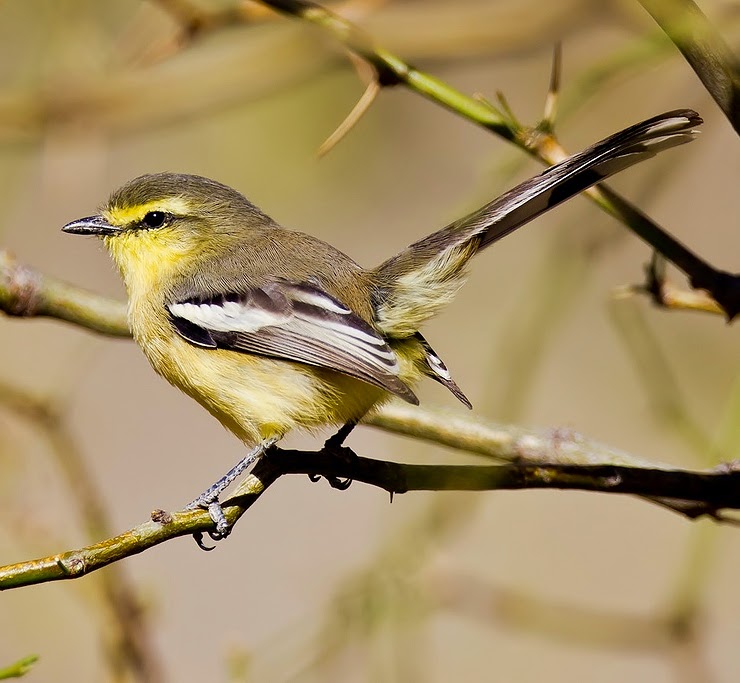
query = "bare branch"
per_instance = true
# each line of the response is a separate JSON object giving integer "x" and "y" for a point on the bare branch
{"x": 26, "y": 292}
{"x": 704, "y": 49}
{"x": 710, "y": 492}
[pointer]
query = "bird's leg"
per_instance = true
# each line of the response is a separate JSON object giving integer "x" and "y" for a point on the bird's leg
{"x": 333, "y": 445}
{"x": 336, "y": 440}
{"x": 209, "y": 498}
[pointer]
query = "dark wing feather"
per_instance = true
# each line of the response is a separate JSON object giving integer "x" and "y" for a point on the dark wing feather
{"x": 296, "y": 322}
{"x": 435, "y": 368}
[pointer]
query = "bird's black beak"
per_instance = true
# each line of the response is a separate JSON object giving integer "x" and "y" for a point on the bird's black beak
{"x": 92, "y": 225}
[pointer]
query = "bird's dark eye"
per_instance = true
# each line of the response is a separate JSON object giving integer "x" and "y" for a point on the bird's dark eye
{"x": 155, "y": 219}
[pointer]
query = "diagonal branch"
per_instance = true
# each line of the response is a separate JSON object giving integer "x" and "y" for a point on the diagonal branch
{"x": 704, "y": 49}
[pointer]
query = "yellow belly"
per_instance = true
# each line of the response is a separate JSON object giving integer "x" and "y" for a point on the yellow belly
{"x": 256, "y": 397}
{"x": 253, "y": 396}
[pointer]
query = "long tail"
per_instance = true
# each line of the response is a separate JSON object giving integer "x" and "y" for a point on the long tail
{"x": 417, "y": 282}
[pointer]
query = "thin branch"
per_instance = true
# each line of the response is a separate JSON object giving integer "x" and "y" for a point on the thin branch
{"x": 711, "y": 491}
{"x": 26, "y": 292}
{"x": 504, "y": 443}
{"x": 194, "y": 22}
{"x": 716, "y": 489}
{"x": 704, "y": 49}
{"x": 675, "y": 298}
{"x": 162, "y": 527}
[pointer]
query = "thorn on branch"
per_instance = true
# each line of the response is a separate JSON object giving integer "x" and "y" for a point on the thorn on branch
{"x": 551, "y": 101}
{"x": 480, "y": 97}
{"x": 505, "y": 107}
{"x": 351, "y": 120}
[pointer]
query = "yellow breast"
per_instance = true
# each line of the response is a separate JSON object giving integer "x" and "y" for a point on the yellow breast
{"x": 253, "y": 396}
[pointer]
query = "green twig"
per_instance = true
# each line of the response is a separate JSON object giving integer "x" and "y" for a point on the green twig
{"x": 19, "y": 668}
{"x": 26, "y": 292}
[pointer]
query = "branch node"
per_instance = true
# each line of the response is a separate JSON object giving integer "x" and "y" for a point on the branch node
{"x": 22, "y": 286}
{"x": 73, "y": 566}
{"x": 161, "y": 517}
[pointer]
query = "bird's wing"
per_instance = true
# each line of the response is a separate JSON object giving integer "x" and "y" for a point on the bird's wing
{"x": 296, "y": 322}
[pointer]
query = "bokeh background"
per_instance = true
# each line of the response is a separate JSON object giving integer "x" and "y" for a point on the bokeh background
{"x": 320, "y": 585}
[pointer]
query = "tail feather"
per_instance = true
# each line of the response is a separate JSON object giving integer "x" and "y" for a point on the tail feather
{"x": 417, "y": 282}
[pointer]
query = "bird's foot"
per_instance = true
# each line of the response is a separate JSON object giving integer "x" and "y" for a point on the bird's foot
{"x": 334, "y": 447}
{"x": 208, "y": 500}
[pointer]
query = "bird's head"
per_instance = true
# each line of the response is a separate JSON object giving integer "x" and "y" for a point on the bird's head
{"x": 157, "y": 220}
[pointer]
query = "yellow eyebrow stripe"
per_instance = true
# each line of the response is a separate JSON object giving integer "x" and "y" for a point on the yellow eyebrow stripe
{"x": 123, "y": 215}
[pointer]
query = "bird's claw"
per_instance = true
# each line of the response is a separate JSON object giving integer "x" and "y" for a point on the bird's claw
{"x": 333, "y": 447}
{"x": 335, "y": 482}
{"x": 346, "y": 455}
{"x": 198, "y": 538}
{"x": 216, "y": 513}
{"x": 339, "y": 484}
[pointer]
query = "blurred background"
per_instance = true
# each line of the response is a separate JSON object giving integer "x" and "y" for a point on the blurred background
{"x": 315, "y": 584}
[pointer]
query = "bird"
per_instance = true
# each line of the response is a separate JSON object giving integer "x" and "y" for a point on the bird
{"x": 271, "y": 329}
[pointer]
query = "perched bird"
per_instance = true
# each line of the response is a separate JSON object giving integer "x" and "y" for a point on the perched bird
{"x": 271, "y": 329}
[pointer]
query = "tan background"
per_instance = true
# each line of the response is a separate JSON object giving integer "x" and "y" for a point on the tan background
{"x": 588, "y": 576}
